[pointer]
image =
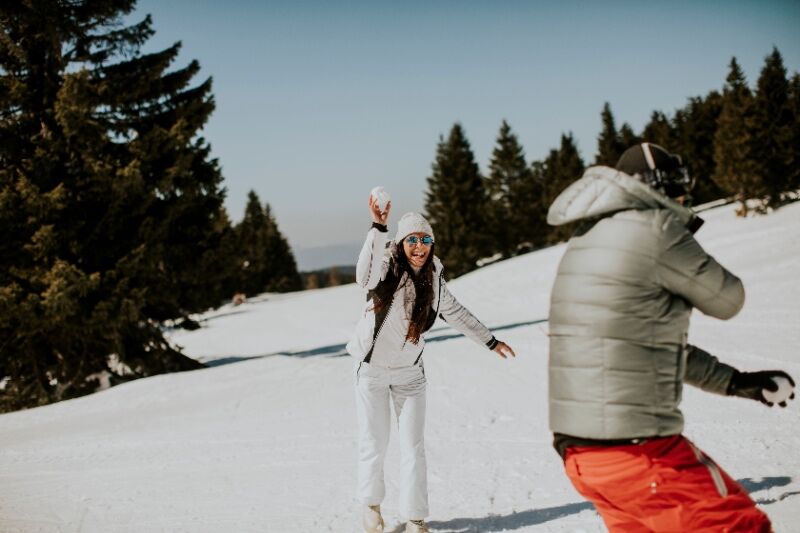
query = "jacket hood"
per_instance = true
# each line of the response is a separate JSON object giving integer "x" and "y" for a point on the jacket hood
{"x": 603, "y": 191}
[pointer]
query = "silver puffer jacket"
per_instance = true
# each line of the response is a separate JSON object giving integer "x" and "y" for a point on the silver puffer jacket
{"x": 620, "y": 307}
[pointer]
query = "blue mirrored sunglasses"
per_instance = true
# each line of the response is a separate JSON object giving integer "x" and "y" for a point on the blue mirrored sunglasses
{"x": 427, "y": 240}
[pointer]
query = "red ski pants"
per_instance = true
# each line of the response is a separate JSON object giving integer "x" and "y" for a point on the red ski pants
{"x": 663, "y": 484}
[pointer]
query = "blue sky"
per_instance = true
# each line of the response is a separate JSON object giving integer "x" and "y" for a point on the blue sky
{"x": 317, "y": 102}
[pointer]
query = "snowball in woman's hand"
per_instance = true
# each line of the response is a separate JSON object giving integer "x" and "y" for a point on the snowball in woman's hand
{"x": 785, "y": 390}
{"x": 381, "y": 197}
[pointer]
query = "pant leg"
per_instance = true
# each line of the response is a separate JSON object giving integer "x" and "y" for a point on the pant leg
{"x": 617, "y": 519}
{"x": 665, "y": 485}
{"x": 374, "y": 416}
{"x": 408, "y": 395}
{"x": 708, "y": 498}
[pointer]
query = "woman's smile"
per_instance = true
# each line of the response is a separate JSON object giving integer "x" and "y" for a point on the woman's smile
{"x": 417, "y": 247}
{"x": 418, "y": 257}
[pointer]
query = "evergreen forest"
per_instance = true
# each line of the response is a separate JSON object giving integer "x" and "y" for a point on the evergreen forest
{"x": 111, "y": 204}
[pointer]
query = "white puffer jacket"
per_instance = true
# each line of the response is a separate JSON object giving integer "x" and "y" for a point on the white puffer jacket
{"x": 391, "y": 349}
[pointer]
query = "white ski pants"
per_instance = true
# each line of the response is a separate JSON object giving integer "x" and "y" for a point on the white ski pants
{"x": 404, "y": 387}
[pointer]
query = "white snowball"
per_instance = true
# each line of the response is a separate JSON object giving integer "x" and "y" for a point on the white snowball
{"x": 782, "y": 394}
{"x": 381, "y": 196}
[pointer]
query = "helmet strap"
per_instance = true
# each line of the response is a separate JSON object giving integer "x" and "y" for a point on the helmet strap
{"x": 648, "y": 155}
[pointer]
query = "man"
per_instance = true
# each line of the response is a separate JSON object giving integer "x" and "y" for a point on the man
{"x": 619, "y": 316}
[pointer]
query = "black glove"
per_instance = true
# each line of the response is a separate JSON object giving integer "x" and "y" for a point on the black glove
{"x": 751, "y": 385}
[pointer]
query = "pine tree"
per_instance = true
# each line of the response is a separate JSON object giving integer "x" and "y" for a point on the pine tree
{"x": 735, "y": 169}
{"x": 252, "y": 255}
{"x": 222, "y": 264}
{"x": 609, "y": 145}
{"x": 772, "y": 129}
{"x": 454, "y": 203}
{"x": 507, "y": 171}
{"x": 282, "y": 272}
{"x": 265, "y": 261}
{"x": 627, "y": 137}
{"x": 560, "y": 169}
{"x": 111, "y": 203}
{"x": 530, "y": 205}
{"x": 695, "y": 126}
{"x": 659, "y": 130}
{"x": 794, "y": 152}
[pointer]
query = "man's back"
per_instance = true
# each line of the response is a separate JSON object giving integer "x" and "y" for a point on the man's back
{"x": 620, "y": 309}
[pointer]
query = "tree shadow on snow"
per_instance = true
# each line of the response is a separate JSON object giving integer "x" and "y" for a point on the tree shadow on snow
{"x": 505, "y": 522}
{"x": 335, "y": 350}
{"x": 538, "y": 516}
{"x": 338, "y": 350}
{"x": 751, "y": 486}
{"x": 496, "y": 328}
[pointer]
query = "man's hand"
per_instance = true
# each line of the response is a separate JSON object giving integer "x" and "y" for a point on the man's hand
{"x": 751, "y": 385}
{"x": 503, "y": 350}
{"x": 378, "y": 216}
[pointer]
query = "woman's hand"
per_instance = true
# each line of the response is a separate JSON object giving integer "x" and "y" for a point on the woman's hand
{"x": 375, "y": 211}
{"x": 504, "y": 350}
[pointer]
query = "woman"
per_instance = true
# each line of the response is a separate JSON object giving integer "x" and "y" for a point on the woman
{"x": 406, "y": 292}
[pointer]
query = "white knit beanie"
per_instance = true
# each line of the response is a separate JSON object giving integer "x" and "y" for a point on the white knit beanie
{"x": 412, "y": 223}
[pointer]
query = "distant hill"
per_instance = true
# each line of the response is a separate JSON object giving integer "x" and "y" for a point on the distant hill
{"x": 322, "y": 257}
{"x": 329, "y": 277}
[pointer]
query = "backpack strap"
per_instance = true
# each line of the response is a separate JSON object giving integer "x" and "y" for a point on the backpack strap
{"x": 432, "y": 318}
{"x": 380, "y": 318}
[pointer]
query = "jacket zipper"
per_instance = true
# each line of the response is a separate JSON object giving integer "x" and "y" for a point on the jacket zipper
{"x": 375, "y": 340}
{"x": 436, "y": 313}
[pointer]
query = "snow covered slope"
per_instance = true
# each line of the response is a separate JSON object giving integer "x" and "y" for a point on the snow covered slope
{"x": 264, "y": 440}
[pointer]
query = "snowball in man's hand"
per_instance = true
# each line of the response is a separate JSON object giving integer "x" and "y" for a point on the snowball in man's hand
{"x": 785, "y": 390}
{"x": 380, "y": 196}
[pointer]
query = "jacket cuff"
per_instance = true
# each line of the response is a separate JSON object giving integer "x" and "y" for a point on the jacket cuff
{"x": 730, "y": 390}
{"x": 383, "y": 228}
{"x": 694, "y": 224}
{"x": 492, "y": 344}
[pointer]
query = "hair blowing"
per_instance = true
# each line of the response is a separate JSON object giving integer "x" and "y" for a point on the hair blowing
{"x": 423, "y": 289}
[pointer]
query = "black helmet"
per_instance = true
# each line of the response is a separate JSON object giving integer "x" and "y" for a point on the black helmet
{"x": 658, "y": 168}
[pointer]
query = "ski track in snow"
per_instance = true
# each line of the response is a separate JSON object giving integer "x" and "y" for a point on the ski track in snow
{"x": 266, "y": 442}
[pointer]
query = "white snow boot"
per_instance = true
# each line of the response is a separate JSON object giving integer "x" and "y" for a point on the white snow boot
{"x": 417, "y": 526}
{"x": 372, "y": 519}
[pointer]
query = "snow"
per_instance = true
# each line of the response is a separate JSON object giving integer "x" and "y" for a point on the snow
{"x": 264, "y": 440}
{"x": 380, "y": 196}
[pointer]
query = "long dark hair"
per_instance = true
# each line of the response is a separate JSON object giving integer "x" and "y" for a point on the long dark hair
{"x": 423, "y": 288}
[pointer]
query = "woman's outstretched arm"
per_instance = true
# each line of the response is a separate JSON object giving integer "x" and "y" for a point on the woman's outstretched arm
{"x": 460, "y": 318}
